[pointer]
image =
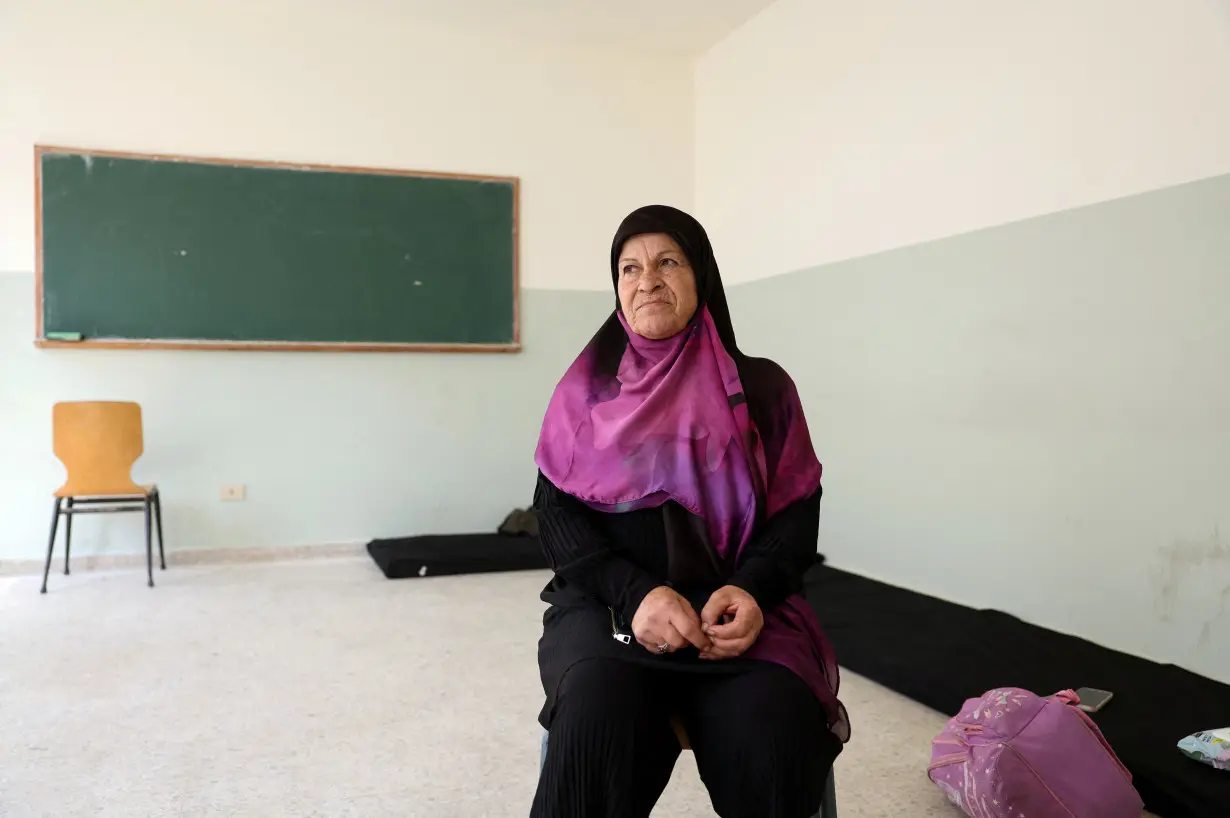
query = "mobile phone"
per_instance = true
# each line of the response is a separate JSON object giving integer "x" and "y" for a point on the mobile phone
{"x": 1092, "y": 699}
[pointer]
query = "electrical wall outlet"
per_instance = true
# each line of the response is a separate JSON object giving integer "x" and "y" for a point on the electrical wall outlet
{"x": 232, "y": 493}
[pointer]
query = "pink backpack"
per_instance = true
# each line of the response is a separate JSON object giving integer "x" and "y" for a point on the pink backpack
{"x": 1011, "y": 754}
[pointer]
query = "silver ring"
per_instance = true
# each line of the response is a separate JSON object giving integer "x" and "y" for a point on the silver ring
{"x": 664, "y": 647}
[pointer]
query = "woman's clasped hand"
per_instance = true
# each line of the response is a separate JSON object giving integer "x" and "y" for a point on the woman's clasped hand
{"x": 727, "y": 626}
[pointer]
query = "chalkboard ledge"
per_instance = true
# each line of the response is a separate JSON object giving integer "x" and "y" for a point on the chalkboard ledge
{"x": 271, "y": 346}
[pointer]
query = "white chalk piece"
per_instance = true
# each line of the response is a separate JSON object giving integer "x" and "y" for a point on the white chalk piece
{"x": 422, "y": 570}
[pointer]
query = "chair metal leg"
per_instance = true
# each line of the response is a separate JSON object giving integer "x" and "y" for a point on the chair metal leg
{"x": 162, "y": 556}
{"x": 51, "y": 542}
{"x": 68, "y": 533}
{"x": 149, "y": 540}
{"x": 828, "y": 807}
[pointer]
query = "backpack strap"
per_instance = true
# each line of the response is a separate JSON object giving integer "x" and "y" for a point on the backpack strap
{"x": 1069, "y": 698}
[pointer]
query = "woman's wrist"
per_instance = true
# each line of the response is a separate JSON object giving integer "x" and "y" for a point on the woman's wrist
{"x": 637, "y": 590}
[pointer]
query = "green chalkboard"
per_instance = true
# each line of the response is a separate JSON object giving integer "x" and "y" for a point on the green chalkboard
{"x": 160, "y": 251}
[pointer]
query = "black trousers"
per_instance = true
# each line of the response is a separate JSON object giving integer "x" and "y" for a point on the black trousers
{"x": 761, "y": 741}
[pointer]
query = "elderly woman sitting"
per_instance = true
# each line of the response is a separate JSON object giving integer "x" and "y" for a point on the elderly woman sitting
{"x": 678, "y": 498}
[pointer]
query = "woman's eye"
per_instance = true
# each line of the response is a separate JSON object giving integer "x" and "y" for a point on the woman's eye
{"x": 668, "y": 262}
{"x": 629, "y": 269}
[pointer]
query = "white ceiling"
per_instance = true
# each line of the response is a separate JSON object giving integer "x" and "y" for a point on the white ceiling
{"x": 679, "y": 27}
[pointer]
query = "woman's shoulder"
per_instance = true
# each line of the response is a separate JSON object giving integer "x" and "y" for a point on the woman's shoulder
{"x": 766, "y": 380}
{"x": 772, "y": 399}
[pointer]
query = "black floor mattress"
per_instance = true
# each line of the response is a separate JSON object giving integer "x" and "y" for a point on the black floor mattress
{"x": 436, "y": 554}
{"x": 941, "y": 654}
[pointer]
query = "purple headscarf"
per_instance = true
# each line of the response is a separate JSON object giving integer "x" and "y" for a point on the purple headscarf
{"x": 636, "y": 423}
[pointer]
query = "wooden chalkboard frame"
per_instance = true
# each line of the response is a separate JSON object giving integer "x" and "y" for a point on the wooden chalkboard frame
{"x": 289, "y": 346}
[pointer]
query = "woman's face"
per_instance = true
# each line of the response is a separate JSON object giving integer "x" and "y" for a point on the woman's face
{"x": 657, "y": 288}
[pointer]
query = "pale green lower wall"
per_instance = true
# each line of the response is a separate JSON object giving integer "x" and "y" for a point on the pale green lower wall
{"x": 1034, "y": 417}
{"x": 332, "y": 447}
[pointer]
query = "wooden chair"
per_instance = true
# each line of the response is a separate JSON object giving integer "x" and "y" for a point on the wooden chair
{"x": 828, "y": 806}
{"x": 98, "y": 442}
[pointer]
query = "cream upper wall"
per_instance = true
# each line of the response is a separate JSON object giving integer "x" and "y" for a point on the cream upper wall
{"x": 591, "y": 133}
{"x": 829, "y": 130}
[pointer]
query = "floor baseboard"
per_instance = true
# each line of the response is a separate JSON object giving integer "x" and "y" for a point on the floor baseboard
{"x": 197, "y": 556}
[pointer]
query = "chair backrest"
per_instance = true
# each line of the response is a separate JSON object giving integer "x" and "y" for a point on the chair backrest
{"x": 681, "y": 734}
{"x": 98, "y": 442}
